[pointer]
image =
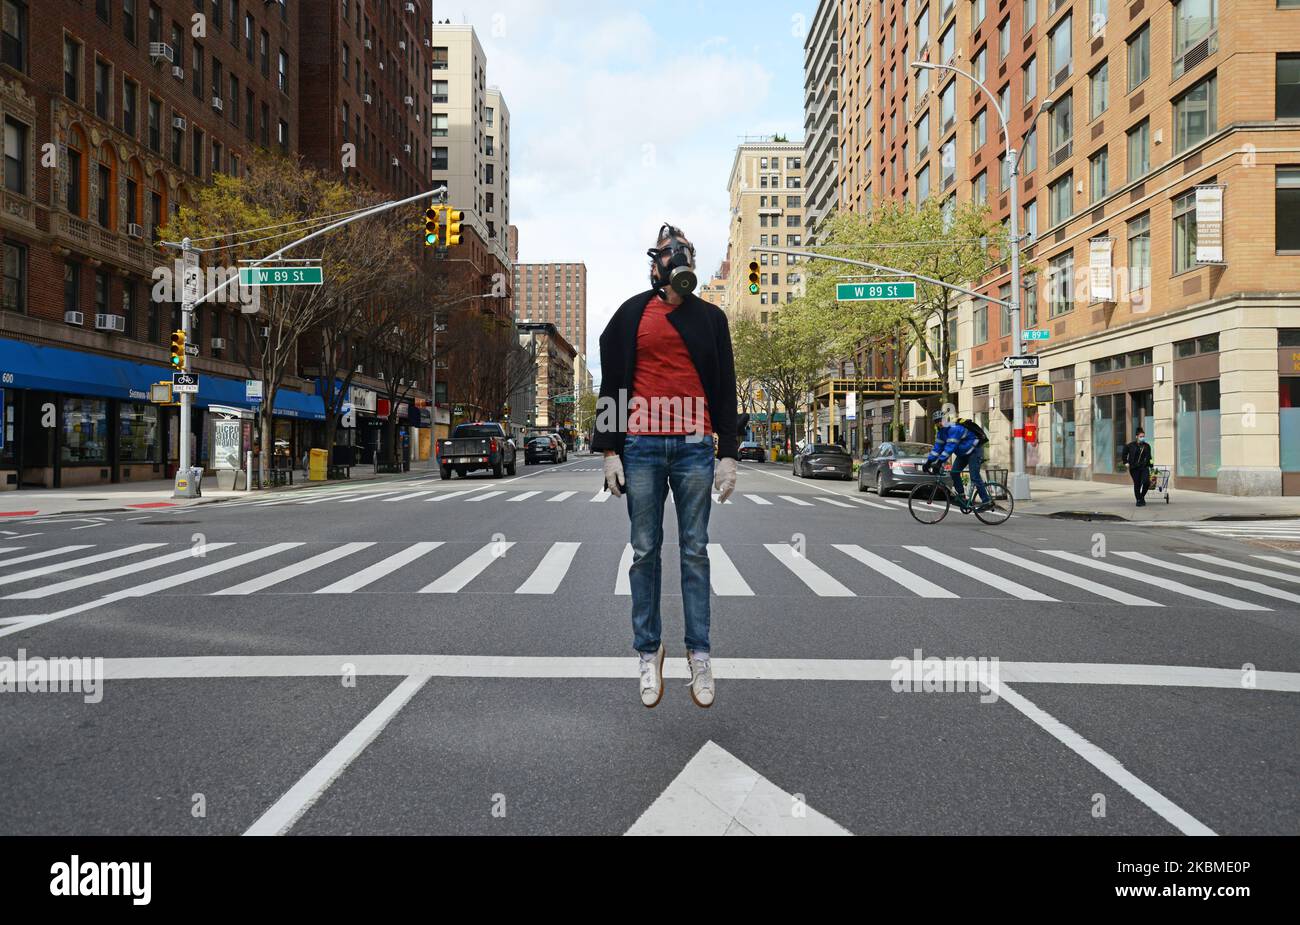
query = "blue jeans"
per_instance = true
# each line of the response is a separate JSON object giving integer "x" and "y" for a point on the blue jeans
{"x": 651, "y": 465}
{"x": 973, "y": 461}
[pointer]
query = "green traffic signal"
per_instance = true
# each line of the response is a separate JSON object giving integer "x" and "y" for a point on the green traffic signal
{"x": 753, "y": 287}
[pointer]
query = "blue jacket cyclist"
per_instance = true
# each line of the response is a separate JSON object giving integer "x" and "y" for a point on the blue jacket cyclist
{"x": 951, "y": 439}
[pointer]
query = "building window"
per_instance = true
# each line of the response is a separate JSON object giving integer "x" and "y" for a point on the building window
{"x": 1139, "y": 150}
{"x": 1195, "y": 114}
{"x": 73, "y": 191}
{"x": 197, "y": 66}
{"x": 1185, "y": 232}
{"x": 979, "y": 130}
{"x": 1060, "y": 284}
{"x": 264, "y": 52}
{"x": 1061, "y": 122}
{"x": 1029, "y": 156}
{"x": 1139, "y": 57}
{"x": 103, "y": 210}
{"x": 15, "y": 283}
{"x": 71, "y": 70}
{"x": 196, "y": 153}
{"x": 1196, "y": 429}
{"x": 103, "y": 88}
{"x": 128, "y": 307}
{"x": 923, "y": 184}
{"x": 16, "y": 135}
{"x": 13, "y": 36}
{"x": 1029, "y": 79}
{"x": 948, "y": 105}
{"x": 1030, "y": 221}
{"x": 1288, "y": 86}
{"x": 128, "y": 20}
{"x": 1194, "y": 21}
{"x": 1004, "y": 39}
{"x": 282, "y": 72}
{"x": 248, "y": 37}
{"x": 1099, "y": 174}
{"x": 980, "y": 188}
{"x": 130, "y": 94}
{"x": 1139, "y": 252}
{"x": 1098, "y": 88}
{"x": 155, "y": 124}
{"x": 948, "y": 44}
{"x": 1061, "y": 199}
{"x": 1287, "y": 210}
{"x": 981, "y": 323}
{"x": 1060, "y": 51}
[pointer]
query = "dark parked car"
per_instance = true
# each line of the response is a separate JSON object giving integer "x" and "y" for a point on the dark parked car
{"x": 540, "y": 448}
{"x": 817, "y": 459}
{"x": 894, "y": 466}
{"x": 480, "y": 445}
{"x": 751, "y": 450}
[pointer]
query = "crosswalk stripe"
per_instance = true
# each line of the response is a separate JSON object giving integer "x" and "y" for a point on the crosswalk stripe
{"x": 367, "y": 496}
{"x": 1014, "y": 588}
{"x": 832, "y": 501}
{"x": 4, "y": 549}
{"x": 73, "y": 583}
{"x": 1242, "y": 567}
{"x": 334, "y": 494}
{"x": 1087, "y": 584}
{"x": 602, "y": 495}
{"x": 724, "y": 577}
{"x": 524, "y": 496}
{"x": 32, "y": 557}
{"x": 894, "y": 501}
{"x": 172, "y": 581}
{"x": 623, "y": 583}
{"x": 1233, "y": 580}
{"x": 462, "y": 574}
{"x": 794, "y": 500}
{"x": 1280, "y": 560}
{"x": 562, "y": 496}
{"x": 866, "y": 503}
{"x": 484, "y": 496}
{"x": 895, "y": 572}
{"x": 447, "y": 496}
{"x": 292, "y": 571}
{"x": 546, "y": 578}
{"x": 373, "y": 573}
{"x": 758, "y": 499}
{"x": 1167, "y": 583}
{"x": 74, "y": 563}
{"x": 408, "y": 497}
{"x": 821, "y": 584}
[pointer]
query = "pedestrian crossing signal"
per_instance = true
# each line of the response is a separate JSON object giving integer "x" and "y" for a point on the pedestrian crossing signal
{"x": 753, "y": 277}
{"x": 431, "y": 226}
{"x": 178, "y": 349}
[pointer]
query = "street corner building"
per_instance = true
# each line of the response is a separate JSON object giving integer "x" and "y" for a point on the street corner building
{"x": 1159, "y": 200}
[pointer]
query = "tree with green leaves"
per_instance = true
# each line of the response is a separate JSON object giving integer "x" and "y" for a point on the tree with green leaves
{"x": 787, "y": 357}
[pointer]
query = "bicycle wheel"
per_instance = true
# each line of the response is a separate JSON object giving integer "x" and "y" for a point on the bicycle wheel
{"x": 1001, "y": 504}
{"x": 929, "y": 502}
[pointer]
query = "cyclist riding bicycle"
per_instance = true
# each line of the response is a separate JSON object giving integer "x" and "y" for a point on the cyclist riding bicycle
{"x": 964, "y": 446}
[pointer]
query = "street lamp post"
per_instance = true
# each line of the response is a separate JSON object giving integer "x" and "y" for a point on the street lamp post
{"x": 1019, "y": 477}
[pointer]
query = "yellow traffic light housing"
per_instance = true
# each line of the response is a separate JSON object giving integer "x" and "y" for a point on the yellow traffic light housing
{"x": 452, "y": 236}
{"x": 431, "y": 226}
{"x": 178, "y": 350}
{"x": 753, "y": 277}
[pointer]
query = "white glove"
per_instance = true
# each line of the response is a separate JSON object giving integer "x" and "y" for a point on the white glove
{"x": 724, "y": 478}
{"x": 614, "y": 474}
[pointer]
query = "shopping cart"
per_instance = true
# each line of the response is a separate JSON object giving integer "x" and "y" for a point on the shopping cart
{"x": 1159, "y": 481}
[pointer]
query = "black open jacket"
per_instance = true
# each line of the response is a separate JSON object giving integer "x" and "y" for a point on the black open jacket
{"x": 704, "y": 330}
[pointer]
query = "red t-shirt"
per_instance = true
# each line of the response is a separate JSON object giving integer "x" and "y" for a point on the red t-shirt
{"x": 667, "y": 397}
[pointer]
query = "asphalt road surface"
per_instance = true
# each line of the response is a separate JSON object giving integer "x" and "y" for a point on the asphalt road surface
{"x": 420, "y": 656}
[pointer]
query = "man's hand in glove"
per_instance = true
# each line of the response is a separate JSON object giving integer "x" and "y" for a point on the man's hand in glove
{"x": 614, "y": 474}
{"x": 724, "y": 478}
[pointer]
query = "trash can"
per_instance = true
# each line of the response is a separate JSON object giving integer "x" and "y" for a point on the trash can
{"x": 317, "y": 465}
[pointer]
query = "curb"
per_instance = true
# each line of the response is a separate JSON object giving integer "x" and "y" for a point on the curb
{"x": 1083, "y": 515}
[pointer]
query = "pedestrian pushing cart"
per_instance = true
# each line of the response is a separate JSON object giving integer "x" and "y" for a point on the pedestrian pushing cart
{"x": 1159, "y": 481}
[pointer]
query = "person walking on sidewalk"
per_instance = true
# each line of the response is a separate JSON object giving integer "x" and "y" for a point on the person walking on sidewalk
{"x": 668, "y": 381}
{"x": 1137, "y": 456}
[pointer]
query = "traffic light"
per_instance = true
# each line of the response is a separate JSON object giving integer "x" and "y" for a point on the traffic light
{"x": 178, "y": 350}
{"x": 453, "y": 227}
{"x": 431, "y": 226}
{"x": 753, "y": 277}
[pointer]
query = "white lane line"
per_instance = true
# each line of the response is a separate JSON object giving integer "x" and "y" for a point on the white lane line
{"x": 1243, "y": 567}
{"x": 1167, "y": 583}
{"x": 32, "y": 557}
{"x": 484, "y": 496}
{"x": 623, "y": 583}
{"x": 462, "y": 574}
{"x": 1280, "y": 560}
{"x": 602, "y": 495}
{"x": 794, "y": 500}
{"x": 562, "y": 496}
{"x": 866, "y": 503}
{"x": 1245, "y": 583}
{"x": 73, "y": 583}
{"x": 22, "y": 535}
{"x": 758, "y": 499}
{"x": 1014, "y": 588}
{"x": 524, "y": 496}
{"x": 895, "y": 572}
{"x": 367, "y": 496}
{"x": 1035, "y": 568}
{"x": 4, "y": 549}
{"x": 172, "y": 581}
{"x": 821, "y": 584}
{"x": 724, "y": 576}
{"x": 377, "y": 571}
{"x": 408, "y": 497}
{"x": 292, "y": 571}
{"x": 1106, "y": 764}
{"x": 546, "y": 578}
{"x": 75, "y": 563}
{"x": 299, "y": 798}
{"x": 88, "y": 526}
{"x": 832, "y": 501}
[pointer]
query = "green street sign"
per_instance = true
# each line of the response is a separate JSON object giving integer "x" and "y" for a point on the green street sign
{"x": 281, "y": 276}
{"x": 563, "y": 398}
{"x": 875, "y": 292}
{"x": 1035, "y": 334}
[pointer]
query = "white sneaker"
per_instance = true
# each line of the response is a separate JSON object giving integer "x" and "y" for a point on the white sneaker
{"x": 652, "y": 677}
{"x": 701, "y": 679}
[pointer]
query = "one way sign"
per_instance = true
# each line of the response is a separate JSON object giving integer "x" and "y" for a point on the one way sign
{"x": 1026, "y": 362}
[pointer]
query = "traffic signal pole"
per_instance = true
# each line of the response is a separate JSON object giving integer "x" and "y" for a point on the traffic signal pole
{"x": 187, "y": 398}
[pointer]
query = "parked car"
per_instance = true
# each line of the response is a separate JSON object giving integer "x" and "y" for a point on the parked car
{"x": 893, "y": 466}
{"x": 817, "y": 459}
{"x": 477, "y": 445}
{"x": 751, "y": 450}
{"x": 540, "y": 448}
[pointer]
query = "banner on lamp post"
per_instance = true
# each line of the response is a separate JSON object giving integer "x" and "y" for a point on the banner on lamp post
{"x": 851, "y": 406}
{"x": 1100, "y": 281}
{"x": 1209, "y": 224}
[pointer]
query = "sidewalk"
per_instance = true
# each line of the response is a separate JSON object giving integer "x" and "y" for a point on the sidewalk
{"x": 1083, "y": 500}
{"x": 156, "y": 494}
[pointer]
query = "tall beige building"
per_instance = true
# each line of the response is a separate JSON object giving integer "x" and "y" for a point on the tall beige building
{"x": 554, "y": 292}
{"x": 767, "y": 208}
{"x": 821, "y": 118}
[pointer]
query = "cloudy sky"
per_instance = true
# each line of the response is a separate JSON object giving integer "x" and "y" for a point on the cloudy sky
{"x": 627, "y": 114}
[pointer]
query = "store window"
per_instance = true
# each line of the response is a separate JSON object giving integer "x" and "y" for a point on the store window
{"x": 85, "y": 431}
{"x": 1063, "y": 450}
{"x": 137, "y": 439}
{"x": 1196, "y": 429}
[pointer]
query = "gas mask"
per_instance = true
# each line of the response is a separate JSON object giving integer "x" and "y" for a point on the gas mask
{"x": 680, "y": 270}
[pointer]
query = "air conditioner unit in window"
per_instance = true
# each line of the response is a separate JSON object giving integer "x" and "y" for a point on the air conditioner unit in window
{"x": 74, "y": 318}
{"x": 217, "y": 104}
{"x": 359, "y": 367}
{"x": 266, "y": 331}
{"x": 380, "y": 375}
{"x": 410, "y": 7}
{"x": 178, "y": 72}
{"x": 218, "y": 343}
{"x": 428, "y": 43}
{"x": 179, "y": 122}
{"x": 395, "y": 162}
{"x": 406, "y": 148}
{"x": 134, "y": 230}
{"x": 366, "y": 99}
{"x": 161, "y": 51}
{"x": 401, "y": 44}
{"x": 368, "y": 45}
{"x": 408, "y": 100}
{"x": 109, "y": 323}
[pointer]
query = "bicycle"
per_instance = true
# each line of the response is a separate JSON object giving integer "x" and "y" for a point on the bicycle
{"x": 929, "y": 502}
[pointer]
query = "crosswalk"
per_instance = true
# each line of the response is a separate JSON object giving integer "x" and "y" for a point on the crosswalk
{"x": 1246, "y": 582}
{"x": 1281, "y": 529}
